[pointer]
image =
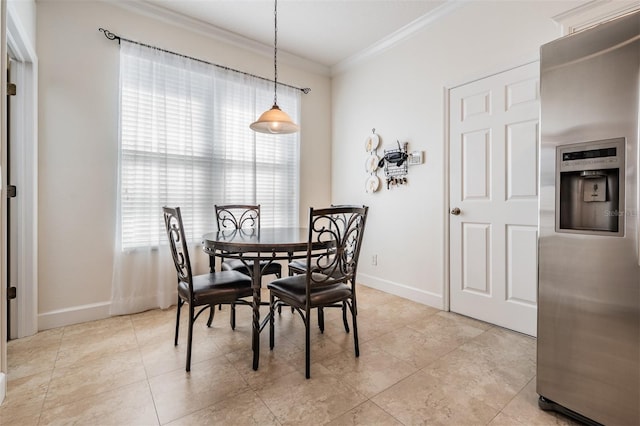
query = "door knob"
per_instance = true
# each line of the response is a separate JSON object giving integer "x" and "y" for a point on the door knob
{"x": 455, "y": 211}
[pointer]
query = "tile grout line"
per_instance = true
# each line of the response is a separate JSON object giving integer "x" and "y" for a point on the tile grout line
{"x": 53, "y": 369}
{"x": 146, "y": 373}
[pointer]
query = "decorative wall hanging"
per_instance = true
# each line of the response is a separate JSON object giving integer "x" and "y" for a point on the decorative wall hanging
{"x": 396, "y": 165}
{"x": 395, "y": 162}
{"x": 371, "y": 143}
{"x": 372, "y": 184}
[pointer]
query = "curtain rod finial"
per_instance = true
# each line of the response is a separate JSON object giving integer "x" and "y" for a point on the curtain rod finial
{"x": 108, "y": 34}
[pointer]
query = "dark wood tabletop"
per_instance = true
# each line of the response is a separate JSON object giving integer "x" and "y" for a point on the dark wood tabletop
{"x": 269, "y": 240}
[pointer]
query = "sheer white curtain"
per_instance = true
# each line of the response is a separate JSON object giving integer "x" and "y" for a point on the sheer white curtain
{"x": 185, "y": 141}
{"x": 255, "y": 167}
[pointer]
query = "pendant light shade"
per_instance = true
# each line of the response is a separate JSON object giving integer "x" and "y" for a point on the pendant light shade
{"x": 275, "y": 121}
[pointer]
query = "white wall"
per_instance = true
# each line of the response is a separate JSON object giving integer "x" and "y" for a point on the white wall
{"x": 25, "y": 12}
{"x": 400, "y": 92}
{"x": 78, "y": 119}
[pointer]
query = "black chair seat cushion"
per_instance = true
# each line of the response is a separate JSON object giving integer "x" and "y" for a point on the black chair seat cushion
{"x": 299, "y": 266}
{"x": 294, "y": 289}
{"x": 237, "y": 265}
{"x": 217, "y": 287}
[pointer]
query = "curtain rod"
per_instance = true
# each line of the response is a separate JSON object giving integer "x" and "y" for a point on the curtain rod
{"x": 111, "y": 36}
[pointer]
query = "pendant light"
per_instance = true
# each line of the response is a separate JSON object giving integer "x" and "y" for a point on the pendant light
{"x": 275, "y": 121}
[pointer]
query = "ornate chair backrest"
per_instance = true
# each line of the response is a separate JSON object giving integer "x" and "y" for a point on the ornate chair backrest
{"x": 178, "y": 245}
{"x": 340, "y": 229}
{"x": 237, "y": 216}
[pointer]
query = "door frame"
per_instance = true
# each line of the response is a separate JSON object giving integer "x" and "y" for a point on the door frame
{"x": 446, "y": 290}
{"x": 26, "y": 149}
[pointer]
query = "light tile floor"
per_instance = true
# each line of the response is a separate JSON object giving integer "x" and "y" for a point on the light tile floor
{"x": 417, "y": 365}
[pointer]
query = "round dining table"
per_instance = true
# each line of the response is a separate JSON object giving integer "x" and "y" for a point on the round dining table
{"x": 258, "y": 245}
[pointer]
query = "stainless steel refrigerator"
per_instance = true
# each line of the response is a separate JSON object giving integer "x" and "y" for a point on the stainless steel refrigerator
{"x": 589, "y": 252}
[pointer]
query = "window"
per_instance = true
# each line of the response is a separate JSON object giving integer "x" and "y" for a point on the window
{"x": 185, "y": 141}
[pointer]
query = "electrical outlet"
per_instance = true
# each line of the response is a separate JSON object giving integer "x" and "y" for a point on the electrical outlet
{"x": 374, "y": 260}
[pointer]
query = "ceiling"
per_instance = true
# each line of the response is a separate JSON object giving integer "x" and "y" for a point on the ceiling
{"x": 325, "y": 32}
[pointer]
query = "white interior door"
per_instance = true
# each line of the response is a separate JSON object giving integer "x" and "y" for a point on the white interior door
{"x": 494, "y": 198}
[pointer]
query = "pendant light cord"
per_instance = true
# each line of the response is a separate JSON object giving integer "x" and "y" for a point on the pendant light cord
{"x": 275, "y": 53}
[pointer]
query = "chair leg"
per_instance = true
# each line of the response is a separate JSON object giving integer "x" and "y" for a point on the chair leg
{"x": 279, "y": 275}
{"x": 212, "y": 311}
{"x": 272, "y": 300}
{"x": 280, "y": 306}
{"x": 307, "y": 344}
{"x": 190, "y": 337}
{"x": 354, "y": 314}
{"x": 344, "y": 316}
{"x": 321, "y": 319}
{"x": 232, "y": 317}
{"x": 180, "y": 302}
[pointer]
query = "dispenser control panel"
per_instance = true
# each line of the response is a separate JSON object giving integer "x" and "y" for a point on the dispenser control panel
{"x": 600, "y": 154}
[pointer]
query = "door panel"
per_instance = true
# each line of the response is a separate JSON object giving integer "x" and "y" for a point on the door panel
{"x": 476, "y": 151}
{"x": 522, "y": 265}
{"x": 522, "y": 147}
{"x": 476, "y": 258}
{"x": 494, "y": 182}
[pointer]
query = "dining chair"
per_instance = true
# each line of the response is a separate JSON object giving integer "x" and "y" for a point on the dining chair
{"x": 241, "y": 216}
{"x": 329, "y": 278}
{"x": 204, "y": 291}
{"x": 299, "y": 266}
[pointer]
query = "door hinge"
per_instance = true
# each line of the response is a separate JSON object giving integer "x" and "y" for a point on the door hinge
{"x": 11, "y": 293}
{"x": 11, "y": 89}
{"x": 11, "y": 191}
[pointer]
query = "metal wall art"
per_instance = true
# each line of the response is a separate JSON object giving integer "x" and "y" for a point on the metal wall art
{"x": 395, "y": 162}
{"x": 395, "y": 165}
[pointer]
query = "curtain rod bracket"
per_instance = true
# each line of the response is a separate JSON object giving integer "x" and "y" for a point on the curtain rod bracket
{"x": 111, "y": 36}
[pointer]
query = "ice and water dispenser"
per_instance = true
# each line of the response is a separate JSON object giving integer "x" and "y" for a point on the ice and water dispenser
{"x": 590, "y": 187}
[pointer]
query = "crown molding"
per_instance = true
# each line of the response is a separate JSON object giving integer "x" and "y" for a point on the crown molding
{"x": 161, "y": 14}
{"x": 399, "y": 36}
{"x": 592, "y": 13}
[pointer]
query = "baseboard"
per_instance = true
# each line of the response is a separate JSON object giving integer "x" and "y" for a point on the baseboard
{"x": 411, "y": 293}
{"x": 3, "y": 387}
{"x": 97, "y": 311}
{"x": 75, "y": 315}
